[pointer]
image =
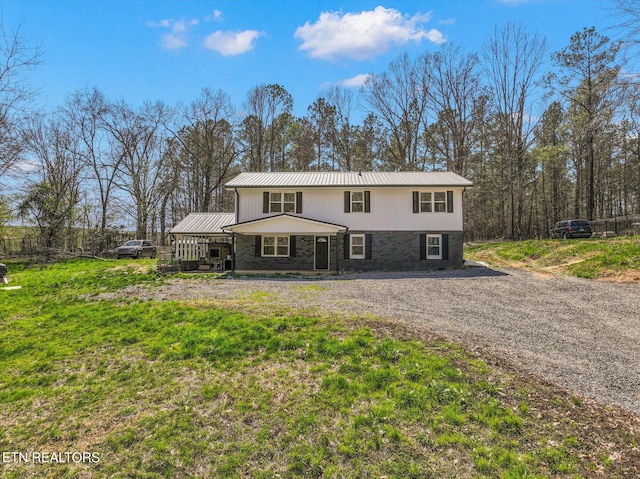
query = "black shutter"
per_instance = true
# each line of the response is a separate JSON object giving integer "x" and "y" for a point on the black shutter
{"x": 445, "y": 247}
{"x": 299, "y": 202}
{"x": 449, "y": 201}
{"x": 367, "y": 202}
{"x": 423, "y": 246}
{"x": 258, "y": 251}
{"x": 265, "y": 202}
{"x": 367, "y": 246}
{"x": 346, "y": 247}
{"x": 416, "y": 202}
{"x": 292, "y": 246}
{"x": 347, "y": 202}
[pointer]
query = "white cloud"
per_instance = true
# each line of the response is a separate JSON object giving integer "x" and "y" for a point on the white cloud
{"x": 177, "y": 38}
{"x": 353, "y": 82}
{"x": 216, "y": 16}
{"x": 356, "y": 81}
{"x": 171, "y": 41}
{"x": 363, "y": 35}
{"x": 162, "y": 23}
{"x": 229, "y": 43}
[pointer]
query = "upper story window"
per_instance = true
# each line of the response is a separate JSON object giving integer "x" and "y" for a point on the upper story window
{"x": 357, "y": 201}
{"x": 282, "y": 202}
{"x": 433, "y": 201}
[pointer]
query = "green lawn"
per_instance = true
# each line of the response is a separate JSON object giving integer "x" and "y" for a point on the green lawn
{"x": 606, "y": 258}
{"x": 178, "y": 389}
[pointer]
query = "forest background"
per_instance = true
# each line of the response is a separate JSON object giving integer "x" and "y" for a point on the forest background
{"x": 98, "y": 166}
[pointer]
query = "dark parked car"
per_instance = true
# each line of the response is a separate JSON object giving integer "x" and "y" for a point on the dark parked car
{"x": 571, "y": 229}
{"x": 137, "y": 249}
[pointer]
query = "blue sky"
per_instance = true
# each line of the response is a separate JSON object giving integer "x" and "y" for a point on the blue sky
{"x": 170, "y": 50}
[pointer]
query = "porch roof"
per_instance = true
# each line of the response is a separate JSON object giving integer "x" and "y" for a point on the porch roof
{"x": 203, "y": 224}
{"x": 284, "y": 224}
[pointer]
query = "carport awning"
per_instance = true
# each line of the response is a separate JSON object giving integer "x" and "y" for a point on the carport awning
{"x": 285, "y": 224}
{"x": 203, "y": 224}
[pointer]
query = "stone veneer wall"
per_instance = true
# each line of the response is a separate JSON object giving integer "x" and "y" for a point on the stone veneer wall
{"x": 246, "y": 260}
{"x": 400, "y": 251}
{"x": 390, "y": 251}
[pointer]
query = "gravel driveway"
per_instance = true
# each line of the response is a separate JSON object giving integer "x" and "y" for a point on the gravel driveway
{"x": 581, "y": 334}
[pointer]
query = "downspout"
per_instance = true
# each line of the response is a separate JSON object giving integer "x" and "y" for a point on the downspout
{"x": 233, "y": 252}
{"x": 233, "y": 235}
{"x": 237, "y": 205}
{"x": 464, "y": 190}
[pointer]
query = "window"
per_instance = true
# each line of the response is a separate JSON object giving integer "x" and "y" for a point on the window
{"x": 357, "y": 246}
{"x": 275, "y": 203}
{"x": 425, "y": 203}
{"x": 433, "y": 202}
{"x": 282, "y": 202}
{"x": 275, "y": 246}
{"x": 434, "y": 246}
{"x": 357, "y": 201}
{"x": 440, "y": 202}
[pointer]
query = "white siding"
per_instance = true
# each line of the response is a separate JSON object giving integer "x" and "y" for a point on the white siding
{"x": 391, "y": 209}
{"x": 285, "y": 225}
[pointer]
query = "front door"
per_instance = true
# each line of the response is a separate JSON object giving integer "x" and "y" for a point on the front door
{"x": 322, "y": 252}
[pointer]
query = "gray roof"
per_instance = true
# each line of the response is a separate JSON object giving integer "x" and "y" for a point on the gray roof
{"x": 204, "y": 223}
{"x": 366, "y": 178}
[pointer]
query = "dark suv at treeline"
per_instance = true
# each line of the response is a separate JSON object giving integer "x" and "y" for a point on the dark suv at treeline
{"x": 571, "y": 229}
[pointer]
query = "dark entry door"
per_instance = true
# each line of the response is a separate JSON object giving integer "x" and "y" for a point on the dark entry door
{"x": 322, "y": 252}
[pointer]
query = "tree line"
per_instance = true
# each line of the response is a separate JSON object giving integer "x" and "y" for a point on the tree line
{"x": 543, "y": 135}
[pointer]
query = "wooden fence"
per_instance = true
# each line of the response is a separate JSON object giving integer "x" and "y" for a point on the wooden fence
{"x": 81, "y": 243}
{"x": 620, "y": 226}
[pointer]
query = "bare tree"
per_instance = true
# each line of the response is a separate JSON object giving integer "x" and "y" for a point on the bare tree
{"x": 87, "y": 113}
{"x": 265, "y": 107}
{"x": 398, "y": 98}
{"x": 344, "y": 136}
{"x": 140, "y": 142}
{"x": 512, "y": 58}
{"x": 17, "y": 59}
{"x": 453, "y": 89}
{"x": 205, "y": 148}
{"x": 628, "y": 11}
{"x": 53, "y": 195}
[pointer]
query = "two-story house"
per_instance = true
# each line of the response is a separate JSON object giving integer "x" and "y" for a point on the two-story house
{"x": 336, "y": 221}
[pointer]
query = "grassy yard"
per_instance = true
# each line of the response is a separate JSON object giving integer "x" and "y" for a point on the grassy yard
{"x": 236, "y": 389}
{"x": 613, "y": 259}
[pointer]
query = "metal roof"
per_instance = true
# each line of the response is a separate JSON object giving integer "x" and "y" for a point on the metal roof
{"x": 365, "y": 178}
{"x": 204, "y": 223}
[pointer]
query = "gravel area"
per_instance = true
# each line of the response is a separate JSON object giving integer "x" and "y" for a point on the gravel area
{"x": 581, "y": 334}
